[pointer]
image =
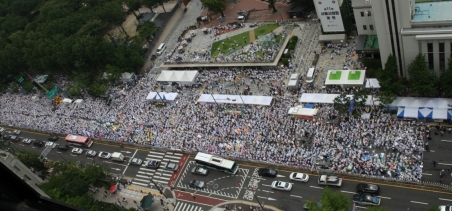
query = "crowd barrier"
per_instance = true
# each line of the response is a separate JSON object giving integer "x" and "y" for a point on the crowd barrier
{"x": 425, "y": 185}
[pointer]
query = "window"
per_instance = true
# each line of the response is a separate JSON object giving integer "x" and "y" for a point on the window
{"x": 364, "y": 27}
{"x": 362, "y": 14}
{"x": 368, "y": 13}
{"x": 430, "y": 56}
{"x": 371, "y": 27}
{"x": 442, "y": 57}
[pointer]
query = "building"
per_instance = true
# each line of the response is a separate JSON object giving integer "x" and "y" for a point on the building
{"x": 404, "y": 29}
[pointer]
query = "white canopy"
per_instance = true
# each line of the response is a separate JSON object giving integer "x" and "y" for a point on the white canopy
{"x": 422, "y": 102}
{"x": 292, "y": 83}
{"x": 177, "y": 76}
{"x": 294, "y": 76}
{"x": 170, "y": 96}
{"x": 329, "y": 98}
{"x": 372, "y": 83}
{"x": 67, "y": 100}
{"x": 78, "y": 101}
{"x": 235, "y": 99}
{"x": 345, "y": 77}
{"x": 300, "y": 110}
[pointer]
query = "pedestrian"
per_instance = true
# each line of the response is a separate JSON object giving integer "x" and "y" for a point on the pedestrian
{"x": 161, "y": 201}
{"x": 134, "y": 201}
{"x": 193, "y": 195}
{"x": 434, "y": 163}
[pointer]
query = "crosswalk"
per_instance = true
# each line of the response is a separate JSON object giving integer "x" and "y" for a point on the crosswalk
{"x": 160, "y": 175}
{"x": 182, "y": 206}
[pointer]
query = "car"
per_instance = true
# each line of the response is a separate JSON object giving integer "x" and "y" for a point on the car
{"x": 323, "y": 165}
{"x": 77, "y": 151}
{"x": 50, "y": 144}
{"x": 299, "y": 177}
{"x": 153, "y": 164}
{"x": 14, "y": 138}
{"x": 366, "y": 199}
{"x": 367, "y": 188}
{"x": 2, "y": 130}
{"x": 104, "y": 155}
{"x": 63, "y": 147}
{"x": 91, "y": 153}
{"x": 136, "y": 161}
{"x": 445, "y": 208}
{"x": 6, "y": 137}
{"x": 196, "y": 184}
{"x": 26, "y": 141}
{"x": 199, "y": 170}
{"x": 280, "y": 185}
{"x": 265, "y": 172}
{"x": 53, "y": 138}
{"x": 172, "y": 166}
{"x": 38, "y": 143}
{"x": 17, "y": 132}
{"x": 330, "y": 180}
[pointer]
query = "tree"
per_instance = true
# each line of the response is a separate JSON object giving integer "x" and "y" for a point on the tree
{"x": 330, "y": 201}
{"x": 30, "y": 159}
{"x": 133, "y": 5}
{"x": 97, "y": 89}
{"x": 375, "y": 208}
{"x": 434, "y": 208}
{"x": 342, "y": 104}
{"x": 113, "y": 73}
{"x": 216, "y": 6}
{"x": 422, "y": 79}
{"x": 271, "y": 5}
{"x": 385, "y": 98}
{"x": 446, "y": 79}
{"x": 389, "y": 78}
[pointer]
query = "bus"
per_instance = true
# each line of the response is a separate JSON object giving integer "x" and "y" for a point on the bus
{"x": 81, "y": 141}
{"x": 310, "y": 75}
{"x": 217, "y": 163}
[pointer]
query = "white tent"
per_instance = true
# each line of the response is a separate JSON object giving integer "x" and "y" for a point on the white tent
{"x": 303, "y": 113}
{"x": 329, "y": 98}
{"x": 79, "y": 101}
{"x": 422, "y": 102}
{"x": 235, "y": 99}
{"x": 372, "y": 83}
{"x": 184, "y": 77}
{"x": 127, "y": 77}
{"x": 170, "y": 96}
{"x": 345, "y": 77}
{"x": 67, "y": 100}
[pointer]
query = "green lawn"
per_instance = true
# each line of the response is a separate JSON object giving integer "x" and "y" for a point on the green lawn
{"x": 263, "y": 30}
{"x": 229, "y": 43}
{"x": 335, "y": 76}
{"x": 355, "y": 76}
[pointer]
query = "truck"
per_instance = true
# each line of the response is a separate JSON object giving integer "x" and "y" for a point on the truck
{"x": 117, "y": 156}
{"x": 330, "y": 180}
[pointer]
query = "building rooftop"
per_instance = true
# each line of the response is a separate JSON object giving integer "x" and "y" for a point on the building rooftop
{"x": 371, "y": 42}
{"x": 433, "y": 11}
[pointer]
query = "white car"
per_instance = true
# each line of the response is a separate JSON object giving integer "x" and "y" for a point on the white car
{"x": 299, "y": 177}
{"x": 280, "y": 185}
{"x": 51, "y": 144}
{"x": 2, "y": 129}
{"x": 77, "y": 151}
{"x": 26, "y": 141}
{"x": 104, "y": 155}
{"x": 16, "y": 132}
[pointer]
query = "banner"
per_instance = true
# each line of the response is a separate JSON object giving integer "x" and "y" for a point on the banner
{"x": 329, "y": 14}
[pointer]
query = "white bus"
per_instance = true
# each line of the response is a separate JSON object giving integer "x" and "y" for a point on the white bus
{"x": 310, "y": 75}
{"x": 217, "y": 163}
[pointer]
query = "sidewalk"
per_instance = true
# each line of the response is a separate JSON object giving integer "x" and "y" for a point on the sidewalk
{"x": 239, "y": 205}
{"x": 133, "y": 194}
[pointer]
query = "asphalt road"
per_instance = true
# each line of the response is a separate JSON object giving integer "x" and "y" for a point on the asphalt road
{"x": 440, "y": 151}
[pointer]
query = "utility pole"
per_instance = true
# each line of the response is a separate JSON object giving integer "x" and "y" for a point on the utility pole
{"x": 214, "y": 99}
{"x": 160, "y": 97}
{"x": 36, "y": 82}
{"x": 257, "y": 199}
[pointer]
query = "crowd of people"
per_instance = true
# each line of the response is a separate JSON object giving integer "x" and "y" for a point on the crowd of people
{"x": 378, "y": 145}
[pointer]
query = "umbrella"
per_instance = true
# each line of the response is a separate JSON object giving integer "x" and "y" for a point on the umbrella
{"x": 147, "y": 201}
{"x": 113, "y": 188}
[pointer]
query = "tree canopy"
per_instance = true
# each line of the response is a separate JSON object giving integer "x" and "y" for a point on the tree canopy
{"x": 330, "y": 201}
{"x": 422, "y": 80}
{"x": 216, "y": 6}
{"x": 446, "y": 79}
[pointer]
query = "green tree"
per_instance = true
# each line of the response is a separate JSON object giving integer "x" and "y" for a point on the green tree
{"x": 330, "y": 201}
{"x": 434, "y": 208}
{"x": 132, "y": 6}
{"x": 389, "y": 78}
{"x": 446, "y": 79}
{"x": 97, "y": 89}
{"x": 342, "y": 104}
{"x": 113, "y": 73}
{"x": 385, "y": 98}
{"x": 74, "y": 90}
{"x": 216, "y": 6}
{"x": 30, "y": 159}
{"x": 375, "y": 208}
{"x": 271, "y": 5}
{"x": 27, "y": 86}
{"x": 360, "y": 97}
{"x": 422, "y": 79}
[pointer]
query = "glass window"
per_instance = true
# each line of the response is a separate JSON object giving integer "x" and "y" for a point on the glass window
{"x": 430, "y": 56}
{"x": 364, "y": 27}
{"x": 442, "y": 57}
{"x": 368, "y": 13}
{"x": 362, "y": 14}
{"x": 371, "y": 27}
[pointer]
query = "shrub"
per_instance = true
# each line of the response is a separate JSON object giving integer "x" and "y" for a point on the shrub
{"x": 285, "y": 61}
{"x": 316, "y": 59}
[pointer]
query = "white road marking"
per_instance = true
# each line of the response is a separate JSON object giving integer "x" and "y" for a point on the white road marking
{"x": 417, "y": 202}
{"x": 446, "y": 140}
{"x": 445, "y": 199}
{"x": 384, "y": 197}
{"x": 139, "y": 183}
{"x": 446, "y": 164}
{"x": 426, "y": 174}
{"x": 343, "y": 191}
{"x": 267, "y": 191}
{"x": 268, "y": 198}
{"x": 280, "y": 175}
{"x": 130, "y": 158}
{"x": 266, "y": 185}
{"x": 361, "y": 207}
{"x": 431, "y": 151}
{"x": 297, "y": 196}
{"x": 316, "y": 187}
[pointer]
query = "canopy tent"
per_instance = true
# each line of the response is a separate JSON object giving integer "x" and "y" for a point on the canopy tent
{"x": 127, "y": 77}
{"x": 78, "y": 101}
{"x": 329, "y": 98}
{"x": 345, "y": 77}
{"x": 67, "y": 100}
{"x": 147, "y": 201}
{"x": 235, "y": 99}
{"x": 170, "y": 96}
{"x": 303, "y": 112}
{"x": 184, "y": 77}
{"x": 113, "y": 188}
{"x": 372, "y": 83}
{"x": 424, "y": 112}
{"x": 422, "y": 102}
{"x": 294, "y": 76}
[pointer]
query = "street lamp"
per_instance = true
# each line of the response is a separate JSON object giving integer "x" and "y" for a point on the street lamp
{"x": 257, "y": 199}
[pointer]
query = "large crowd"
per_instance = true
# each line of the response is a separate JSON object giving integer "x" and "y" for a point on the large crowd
{"x": 377, "y": 145}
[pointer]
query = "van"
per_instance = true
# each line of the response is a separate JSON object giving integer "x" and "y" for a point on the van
{"x": 310, "y": 75}
{"x": 161, "y": 48}
{"x": 117, "y": 156}
{"x": 241, "y": 18}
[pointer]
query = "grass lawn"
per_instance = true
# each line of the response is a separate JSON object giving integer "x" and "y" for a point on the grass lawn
{"x": 263, "y": 30}
{"x": 336, "y": 76}
{"x": 355, "y": 76}
{"x": 228, "y": 43}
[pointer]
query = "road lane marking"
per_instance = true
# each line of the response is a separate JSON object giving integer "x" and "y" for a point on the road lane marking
{"x": 267, "y": 191}
{"x": 361, "y": 207}
{"x": 384, "y": 197}
{"x": 316, "y": 187}
{"x": 125, "y": 169}
{"x": 114, "y": 163}
{"x": 445, "y": 199}
{"x": 417, "y": 202}
{"x": 426, "y": 174}
{"x": 279, "y": 175}
{"x": 268, "y": 198}
{"x": 446, "y": 140}
{"x": 343, "y": 191}
{"x": 446, "y": 164}
{"x": 266, "y": 185}
{"x": 297, "y": 196}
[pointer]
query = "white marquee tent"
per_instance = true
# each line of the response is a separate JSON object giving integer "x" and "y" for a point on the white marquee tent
{"x": 372, "y": 83}
{"x": 329, "y": 98}
{"x": 235, "y": 99}
{"x": 170, "y": 96}
{"x": 184, "y": 77}
{"x": 422, "y": 102}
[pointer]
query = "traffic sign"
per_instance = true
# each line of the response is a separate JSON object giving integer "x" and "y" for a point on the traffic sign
{"x": 50, "y": 94}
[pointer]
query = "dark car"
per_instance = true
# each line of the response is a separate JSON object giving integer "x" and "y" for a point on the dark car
{"x": 264, "y": 172}
{"x": 63, "y": 147}
{"x": 199, "y": 170}
{"x": 196, "y": 184}
{"x": 53, "y": 138}
{"x": 38, "y": 143}
{"x": 91, "y": 153}
{"x": 366, "y": 199}
{"x": 367, "y": 188}
{"x": 6, "y": 137}
{"x": 14, "y": 138}
{"x": 153, "y": 164}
